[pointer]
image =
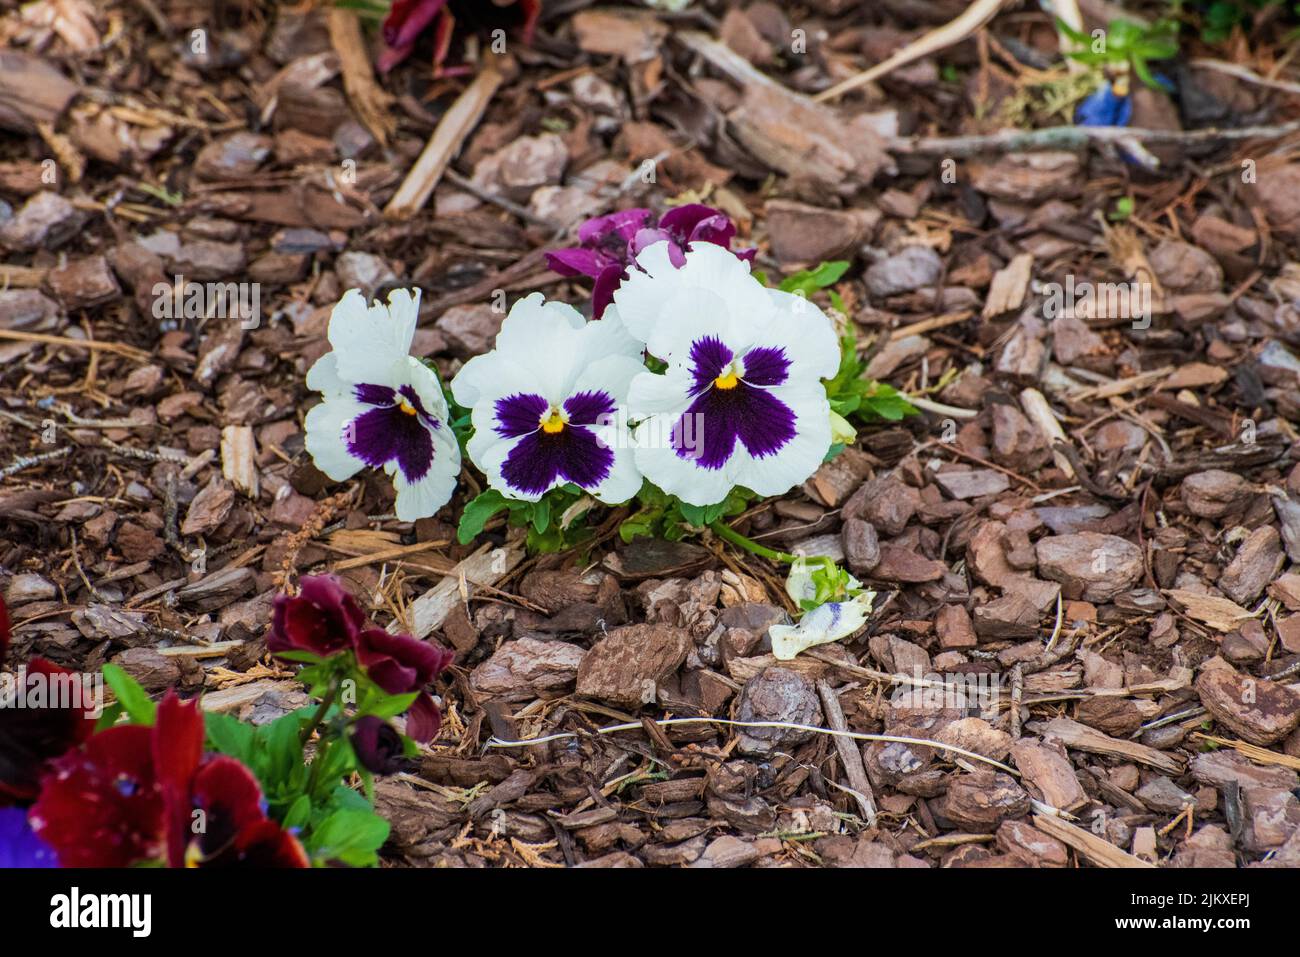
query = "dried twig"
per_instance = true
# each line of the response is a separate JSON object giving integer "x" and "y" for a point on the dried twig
{"x": 787, "y": 725}
{"x": 27, "y": 461}
{"x": 444, "y": 144}
{"x": 850, "y": 756}
{"x": 954, "y": 31}
{"x": 1075, "y": 137}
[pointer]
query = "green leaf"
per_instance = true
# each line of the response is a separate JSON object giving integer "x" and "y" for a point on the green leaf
{"x": 231, "y": 736}
{"x": 108, "y": 717}
{"x": 810, "y": 280}
{"x": 477, "y": 513}
{"x": 299, "y": 813}
{"x": 542, "y": 515}
{"x": 281, "y": 749}
{"x": 133, "y": 698}
{"x": 390, "y": 706}
{"x": 306, "y": 657}
{"x": 695, "y": 514}
{"x": 348, "y": 836}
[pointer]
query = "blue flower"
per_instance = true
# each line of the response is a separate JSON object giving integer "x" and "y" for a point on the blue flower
{"x": 1104, "y": 107}
{"x": 19, "y": 847}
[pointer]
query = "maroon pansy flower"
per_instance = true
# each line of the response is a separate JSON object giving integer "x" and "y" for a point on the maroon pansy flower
{"x": 322, "y": 618}
{"x": 408, "y": 19}
{"x": 401, "y": 664}
{"x": 608, "y": 245}
{"x": 134, "y": 793}
{"x": 31, "y": 737}
{"x": 101, "y": 805}
{"x": 378, "y": 745}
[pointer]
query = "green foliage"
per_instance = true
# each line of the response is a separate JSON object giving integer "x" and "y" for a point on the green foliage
{"x": 552, "y": 521}
{"x": 1126, "y": 45}
{"x": 1219, "y": 19}
{"x": 666, "y": 516}
{"x": 853, "y": 393}
{"x": 132, "y": 698}
{"x": 458, "y": 417}
{"x": 366, "y": 9}
{"x": 829, "y": 580}
{"x": 1122, "y": 211}
{"x": 810, "y": 280}
{"x": 305, "y": 796}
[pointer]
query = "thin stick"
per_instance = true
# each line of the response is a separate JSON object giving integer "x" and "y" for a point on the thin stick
{"x": 787, "y": 725}
{"x": 445, "y": 143}
{"x": 850, "y": 756}
{"x": 131, "y": 352}
{"x": 1244, "y": 73}
{"x": 972, "y": 18}
{"x": 929, "y": 325}
{"x": 27, "y": 461}
{"x": 1074, "y": 137}
{"x": 938, "y": 408}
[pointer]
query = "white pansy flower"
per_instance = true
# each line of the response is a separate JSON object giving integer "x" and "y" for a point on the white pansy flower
{"x": 549, "y": 404}
{"x": 742, "y": 401}
{"x": 383, "y": 408}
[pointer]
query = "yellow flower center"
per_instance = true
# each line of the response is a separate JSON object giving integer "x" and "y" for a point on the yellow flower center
{"x": 727, "y": 380}
{"x": 553, "y": 422}
{"x": 407, "y": 407}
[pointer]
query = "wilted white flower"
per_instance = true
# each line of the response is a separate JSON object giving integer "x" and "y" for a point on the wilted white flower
{"x": 825, "y": 623}
{"x": 549, "y": 404}
{"x": 741, "y": 402}
{"x": 383, "y": 408}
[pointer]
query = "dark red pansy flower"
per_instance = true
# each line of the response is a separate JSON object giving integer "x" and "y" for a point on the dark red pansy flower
{"x": 408, "y": 19}
{"x": 322, "y": 618}
{"x": 135, "y": 794}
{"x": 378, "y": 745}
{"x": 101, "y": 805}
{"x": 212, "y": 807}
{"x": 30, "y": 737}
{"x": 608, "y": 245}
{"x": 400, "y": 664}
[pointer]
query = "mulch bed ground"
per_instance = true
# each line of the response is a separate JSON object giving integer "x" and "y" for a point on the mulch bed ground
{"x": 1107, "y": 621}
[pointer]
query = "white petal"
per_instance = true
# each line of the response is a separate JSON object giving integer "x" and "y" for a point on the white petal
{"x": 825, "y": 623}
{"x": 650, "y": 300}
{"x": 423, "y": 498}
{"x": 426, "y": 385}
{"x": 690, "y": 315}
{"x": 799, "y": 583}
{"x": 652, "y": 393}
{"x": 806, "y": 334}
{"x": 326, "y": 438}
{"x": 324, "y": 377}
{"x": 368, "y": 342}
{"x": 489, "y": 451}
{"x": 624, "y": 479}
{"x": 542, "y": 337}
{"x": 679, "y": 476}
{"x": 612, "y": 375}
{"x": 489, "y": 377}
{"x": 608, "y": 337}
{"x": 802, "y": 455}
{"x": 638, "y": 299}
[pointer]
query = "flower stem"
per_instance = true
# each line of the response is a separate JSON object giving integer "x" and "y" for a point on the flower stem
{"x": 325, "y": 705}
{"x": 722, "y": 530}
